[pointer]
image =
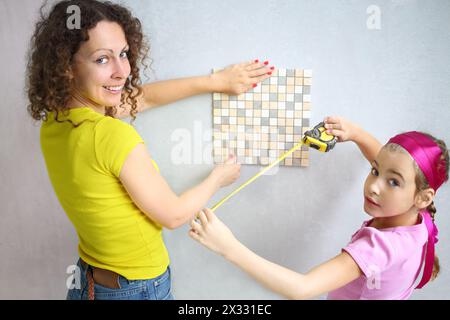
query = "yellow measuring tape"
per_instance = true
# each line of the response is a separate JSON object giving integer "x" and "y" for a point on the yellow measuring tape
{"x": 256, "y": 176}
{"x": 317, "y": 138}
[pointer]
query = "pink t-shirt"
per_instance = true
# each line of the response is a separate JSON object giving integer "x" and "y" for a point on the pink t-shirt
{"x": 390, "y": 259}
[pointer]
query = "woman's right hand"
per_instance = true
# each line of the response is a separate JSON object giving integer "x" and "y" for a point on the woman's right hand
{"x": 228, "y": 172}
{"x": 341, "y": 128}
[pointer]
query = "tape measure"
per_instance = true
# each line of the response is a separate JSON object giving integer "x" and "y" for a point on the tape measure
{"x": 318, "y": 138}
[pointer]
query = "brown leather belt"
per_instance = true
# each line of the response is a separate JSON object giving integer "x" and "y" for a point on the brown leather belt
{"x": 103, "y": 277}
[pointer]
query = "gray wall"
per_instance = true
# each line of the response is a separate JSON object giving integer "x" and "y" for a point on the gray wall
{"x": 389, "y": 80}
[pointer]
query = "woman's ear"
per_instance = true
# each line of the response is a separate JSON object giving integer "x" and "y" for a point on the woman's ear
{"x": 69, "y": 73}
{"x": 424, "y": 198}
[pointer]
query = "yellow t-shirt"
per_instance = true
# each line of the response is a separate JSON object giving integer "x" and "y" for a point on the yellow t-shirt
{"x": 84, "y": 164}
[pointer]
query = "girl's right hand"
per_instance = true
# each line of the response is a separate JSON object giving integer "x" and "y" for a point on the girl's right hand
{"x": 228, "y": 172}
{"x": 341, "y": 128}
{"x": 211, "y": 232}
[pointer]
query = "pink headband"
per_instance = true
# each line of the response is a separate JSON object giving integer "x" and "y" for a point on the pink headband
{"x": 427, "y": 155}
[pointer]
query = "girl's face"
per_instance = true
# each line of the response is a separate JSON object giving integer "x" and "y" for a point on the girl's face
{"x": 101, "y": 65}
{"x": 390, "y": 188}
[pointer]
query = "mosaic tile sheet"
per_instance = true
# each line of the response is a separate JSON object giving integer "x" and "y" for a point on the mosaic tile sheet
{"x": 263, "y": 123}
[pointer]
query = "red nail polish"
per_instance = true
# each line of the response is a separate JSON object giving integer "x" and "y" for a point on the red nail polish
{"x": 256, "y": 61}
{"x": 271, "y": 68}
{"x": 266, "y": 62}
{"x": 269, "y": 73}
{"x": 255, "y": 85}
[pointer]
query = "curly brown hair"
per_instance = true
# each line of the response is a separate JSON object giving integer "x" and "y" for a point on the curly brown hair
{"x": 53, "y": 45}
{"x": 422, "y": 182}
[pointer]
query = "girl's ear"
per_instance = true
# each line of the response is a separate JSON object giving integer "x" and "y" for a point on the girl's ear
{"x": 424, "y": 198}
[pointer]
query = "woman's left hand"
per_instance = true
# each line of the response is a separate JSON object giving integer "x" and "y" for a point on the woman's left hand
{"x": 212, "y": 233}
{"x": 239, "y": 78}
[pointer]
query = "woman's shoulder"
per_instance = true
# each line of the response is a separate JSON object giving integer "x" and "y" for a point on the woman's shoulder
{"x": 111, "y": 125}
{"x": 110, "y": 133}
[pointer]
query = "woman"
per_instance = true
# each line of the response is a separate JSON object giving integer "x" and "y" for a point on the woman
{"x": 99, "y": 167}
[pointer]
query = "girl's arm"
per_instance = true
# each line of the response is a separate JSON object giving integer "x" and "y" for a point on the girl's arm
{"x": 348, "y": 131}
{"x": 331, "y": 275}
{"x": 233, "y": 80}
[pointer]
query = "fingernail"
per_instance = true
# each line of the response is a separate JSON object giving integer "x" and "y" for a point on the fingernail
{"x": 255, "y": 85}
{"x": 256, "y": 61}
{"x": 266, "y": 62}
{"x": 269, "y": 73}
{"x": 271, "y": 68}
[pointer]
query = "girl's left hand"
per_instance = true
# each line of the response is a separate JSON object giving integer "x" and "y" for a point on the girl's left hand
{"x": 212, "y": 233}
{"x": 239, "y": 78}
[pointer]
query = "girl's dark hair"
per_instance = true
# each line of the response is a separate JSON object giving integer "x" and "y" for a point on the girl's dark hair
{"x": 422, "y": 183}
{"x": 54, "y": 44}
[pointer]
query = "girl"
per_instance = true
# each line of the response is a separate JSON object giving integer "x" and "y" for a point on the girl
{"x": 99, "y": 167}
{"x": 385, "y": 256}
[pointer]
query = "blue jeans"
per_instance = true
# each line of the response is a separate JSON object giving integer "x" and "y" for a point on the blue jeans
{"x": 158, "y": 288}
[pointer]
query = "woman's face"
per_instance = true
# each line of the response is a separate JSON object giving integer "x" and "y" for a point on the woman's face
{"x": 101, "y": 65}
{"x": 390, "y": 187}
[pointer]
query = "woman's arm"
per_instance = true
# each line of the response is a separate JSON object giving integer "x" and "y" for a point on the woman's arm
{"x": 348, "y": 131}
{"x": 154, "y": 197}
{"x": 331, "y": 275}
{"x": 233, "y": 80}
